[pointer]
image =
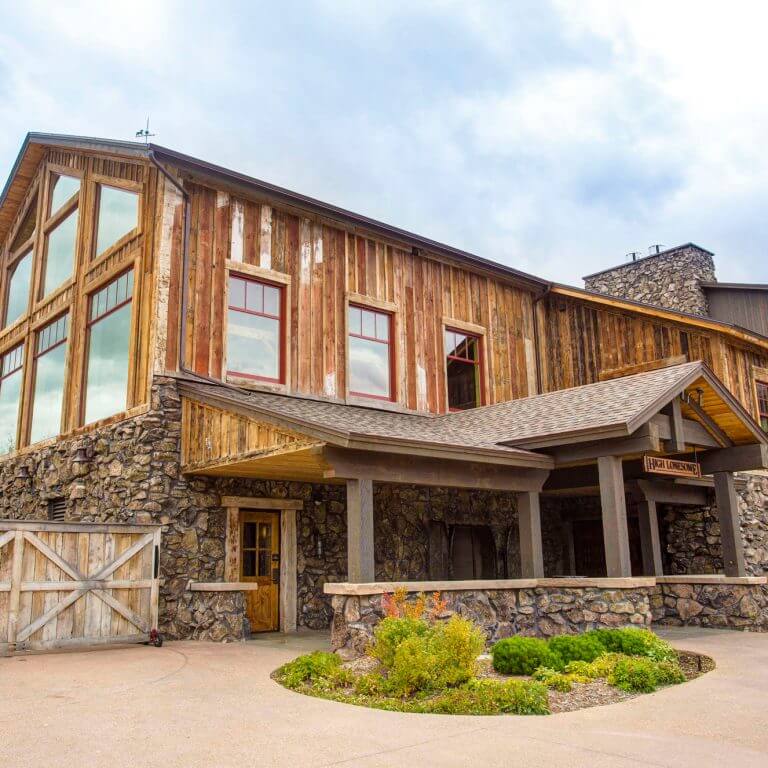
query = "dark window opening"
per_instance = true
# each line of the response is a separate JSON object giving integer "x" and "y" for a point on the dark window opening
{"x": 463, "y": 368}
{"x": 57, "y": 509}
{"x": 473, "y": 552}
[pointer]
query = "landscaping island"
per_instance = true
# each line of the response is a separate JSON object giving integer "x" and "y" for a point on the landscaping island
{"x": 422, "y": 660}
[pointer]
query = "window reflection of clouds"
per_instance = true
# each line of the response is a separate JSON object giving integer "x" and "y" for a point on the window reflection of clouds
{"x": 369, "y": 367}
{"x": 18, "y": 289}
{"x": 253, "y": 345}
{"x": 61, "y": 253}
{"x": 118, "y": 215}
{"x": 62, "y": 189}
{"x": 107, "y": 382}
{"x": 10, "y": 397}
{"x": 48, "y": 394}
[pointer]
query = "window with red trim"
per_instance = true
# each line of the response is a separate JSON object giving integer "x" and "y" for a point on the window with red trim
{"x": 108, "y": 360}
{"x": 255, "y": 329}
{"x": 762, "y": 403}
{"x": 370, "y": 353}
{"x": 464, "y": 370}
{"x": 11, "y": 381}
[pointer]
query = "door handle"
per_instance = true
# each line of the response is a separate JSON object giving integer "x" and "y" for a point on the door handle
{"x": 275, "y": 575}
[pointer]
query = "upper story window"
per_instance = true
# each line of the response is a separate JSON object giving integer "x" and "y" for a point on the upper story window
{"x": 255, "y": 329}
{"x": 11, "y": 380}
{"x": 762, "y": 403}
{"x": 48, "y": 390}
{"x": 117, "y": 215}
{"x": 17, "y": 292}
{"x": 60, "y": 232}
{"x": 370, "y": 353}
{"x": 108, "y": 345}
{"x": 463, "y": 370}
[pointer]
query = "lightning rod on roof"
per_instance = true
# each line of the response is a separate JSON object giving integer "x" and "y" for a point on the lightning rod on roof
{"x": 144, "y": 133}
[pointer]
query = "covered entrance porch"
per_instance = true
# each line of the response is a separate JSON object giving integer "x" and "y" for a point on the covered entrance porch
{"x": 588, "y": 443}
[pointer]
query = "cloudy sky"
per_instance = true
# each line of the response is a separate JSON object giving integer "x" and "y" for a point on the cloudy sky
{"x": 552, "y": 136}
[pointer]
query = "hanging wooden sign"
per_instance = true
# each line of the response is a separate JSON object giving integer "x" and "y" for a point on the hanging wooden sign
{"x": 659, "y": 465}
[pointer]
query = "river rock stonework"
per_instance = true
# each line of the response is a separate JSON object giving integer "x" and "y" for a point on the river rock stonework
{"x": 536, "y": 612}
{"x": 720, "y": 606}
{"x": 671, "y": 279}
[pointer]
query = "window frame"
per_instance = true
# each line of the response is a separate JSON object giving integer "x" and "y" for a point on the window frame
{"x": 282, "y": 288}
{"x": 479, "y": 335}
{"x": 762, "y": 414}
{"x": 34, "y": 196}
{"x": 50, "y": 221}
{"x": 98, "y": 181}
{"x": 390, "y": 315}
{"x": 22, "y": 345}
{"x": 81, "y": 404}
{"x": 30, "y": 395}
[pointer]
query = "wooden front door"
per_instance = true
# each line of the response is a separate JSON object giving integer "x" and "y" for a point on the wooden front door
{"x": 260, "y": 562}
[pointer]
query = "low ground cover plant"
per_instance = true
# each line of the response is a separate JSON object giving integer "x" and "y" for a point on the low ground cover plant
{"x": 427, "y": 661}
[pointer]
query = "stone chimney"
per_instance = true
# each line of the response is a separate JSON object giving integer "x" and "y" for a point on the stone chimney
{"x": 670, "y": 279}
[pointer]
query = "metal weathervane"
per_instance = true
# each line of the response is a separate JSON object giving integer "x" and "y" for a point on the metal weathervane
{"x": 144, "y": 133}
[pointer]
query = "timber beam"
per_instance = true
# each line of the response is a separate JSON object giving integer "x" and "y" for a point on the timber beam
{"x": 667, "y": 492}
{"x": 360, "y": 555}
{"x": 614, "y": 514}
{"x": 739, "y": 458}
{"x": 645, "y": 439}
{"x": 419, "y": 470}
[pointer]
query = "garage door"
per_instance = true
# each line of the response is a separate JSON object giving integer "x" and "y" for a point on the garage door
{"x": 76, "y": 584}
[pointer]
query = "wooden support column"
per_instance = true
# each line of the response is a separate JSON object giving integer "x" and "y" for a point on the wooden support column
{"x": 649, "y": 537}
{"x": 529, "y": 527}
{"x": 360, "y": 531}
{"x": 614, "y": 513}
{"x": 288, "y": 570}
{"x": 730, "y": 529}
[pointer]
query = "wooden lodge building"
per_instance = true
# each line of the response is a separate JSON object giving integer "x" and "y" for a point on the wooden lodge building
{"x": 269, "y": 401}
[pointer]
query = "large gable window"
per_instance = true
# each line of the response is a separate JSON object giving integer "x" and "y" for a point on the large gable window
{"x": 255, "y": 329}
{"x": 11, "y": 380}
{"x": 463, "y": 369}
{"x": 117, "y": 216}
{"x": 48, "y": 392}
{"x": 109, "y": 333}
{"x": 762, "y": 403}
{"x": 17, "y": 293}
{"x": 60, "y": 232}
{"x": 370, "y": 353}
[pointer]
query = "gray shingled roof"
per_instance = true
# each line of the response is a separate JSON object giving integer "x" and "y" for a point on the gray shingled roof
{"x": 615, "y": 407}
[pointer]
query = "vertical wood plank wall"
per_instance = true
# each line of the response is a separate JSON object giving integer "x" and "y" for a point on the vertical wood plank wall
{"x": 579, "y": 340}
{"x": 326, "y": 266}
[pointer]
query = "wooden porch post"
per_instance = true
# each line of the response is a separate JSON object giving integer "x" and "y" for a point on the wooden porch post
{"x": 529, "y": 527}
{"x": 360, "y": 531}
{"x": 649, "y": 537}
{"x": 730, "y": 528}
{"x": 614, "y": 513}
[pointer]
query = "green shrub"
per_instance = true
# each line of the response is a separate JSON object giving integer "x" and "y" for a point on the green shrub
{"x": 444, "y": 656}
{"x": 457, "y": 643}
{"x": 634, "y": 642}
{"x": 522, "y": 655}
{"x": 576, "y": 647}
{"x": 415, "y": 667}
{"x": 669, "y": 673}
{"x": 634, "y": 674}
{"x": 558, "y": 681}
{"x": 492, "y": 697}
{"x": 337, "y": 678}
{"x": 370, "y": 684}
{"x": 391, "y": 632}
{"x": 311, "y": 667}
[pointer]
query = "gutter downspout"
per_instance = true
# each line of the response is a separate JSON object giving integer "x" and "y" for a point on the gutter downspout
{"x": 536, "y": 340}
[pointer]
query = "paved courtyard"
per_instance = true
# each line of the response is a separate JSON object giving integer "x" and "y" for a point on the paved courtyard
{"x": 195, "y": 704}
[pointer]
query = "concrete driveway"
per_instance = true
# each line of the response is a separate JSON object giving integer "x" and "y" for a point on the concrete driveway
{"x": 196, "y": 704}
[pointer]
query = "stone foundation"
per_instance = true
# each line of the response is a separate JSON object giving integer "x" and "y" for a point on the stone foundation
{"x": 532, "y": 611}
{"x": 720, "y": 606}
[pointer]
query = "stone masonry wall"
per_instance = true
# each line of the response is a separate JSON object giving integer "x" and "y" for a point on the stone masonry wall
{"x": 691, "y": 536}
{"x": 670, "y": 279}
{"x": 540, "y": 612}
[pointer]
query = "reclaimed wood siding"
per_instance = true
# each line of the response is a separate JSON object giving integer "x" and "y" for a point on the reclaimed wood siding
{"x": 581, "y": 340}
{"x": 326, "y": 265}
